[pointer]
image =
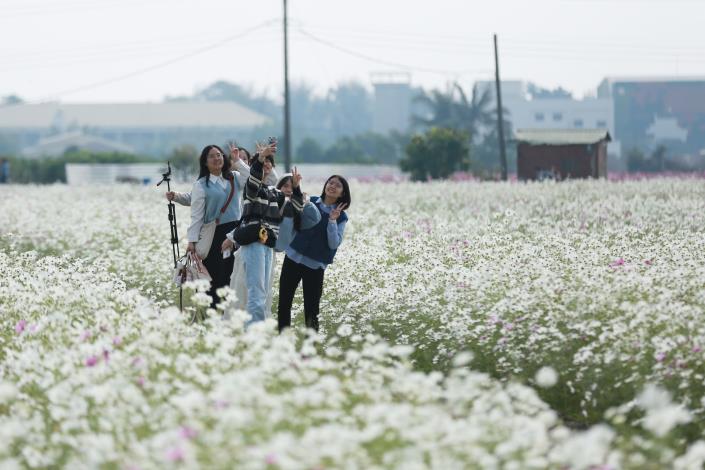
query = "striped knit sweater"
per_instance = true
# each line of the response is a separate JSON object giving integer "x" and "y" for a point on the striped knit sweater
{"x": 264, "y": 203}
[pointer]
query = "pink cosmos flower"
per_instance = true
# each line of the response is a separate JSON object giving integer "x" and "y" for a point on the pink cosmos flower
{"x": 20, "y": 326}
{"x": 106, "y": 355}
{"x": 117, "y": 341}
{"x": 91, "y": 361}
{"x": 187, "y": 432}
{"x": 618, "y": 262}
{"x": 271, "y": 459}
{"x": 140, "y": 381}
{"x": 175, "y": 454}
{"x": 85, "y": 335}
{"x": 33, "y": 328}
{"x": 660, "y": 356}
{"x": 696, "y": 349}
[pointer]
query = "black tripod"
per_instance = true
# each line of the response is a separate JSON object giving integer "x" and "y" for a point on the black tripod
{"x": 172, "y": 222}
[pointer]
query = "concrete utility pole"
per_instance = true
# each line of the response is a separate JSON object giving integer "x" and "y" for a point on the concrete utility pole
{"x": 287, "y": 114}
{"x": 500, "y": 127}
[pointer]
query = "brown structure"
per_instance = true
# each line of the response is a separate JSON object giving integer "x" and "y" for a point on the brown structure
{"x": 561, "y": 153}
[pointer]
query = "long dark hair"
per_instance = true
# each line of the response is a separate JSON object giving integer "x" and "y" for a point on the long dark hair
{"x": 297, "y": 215}
{"x": 247, "y": 152}
{"x": 204, "y": 166}
{"x": 345, "y": 197}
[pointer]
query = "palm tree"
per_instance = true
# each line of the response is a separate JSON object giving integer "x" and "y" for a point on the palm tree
{"x": 452, "y": 109}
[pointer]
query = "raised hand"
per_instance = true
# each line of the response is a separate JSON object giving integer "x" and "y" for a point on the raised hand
{"x": 170, "y": 195}
{"x": 266, "y": 150}
{"x": 234, "y": 150}
{"x": 295, "y": 177}
{"x": 335, "y": 213}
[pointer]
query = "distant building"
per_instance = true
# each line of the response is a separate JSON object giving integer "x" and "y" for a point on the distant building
{"x": 561, "y": 153}
{"x": 56, "y": 145}
{"x": 393, "y": 100}
{"x": 148, "y": 128}
{"x": 531, "y": 112}
{"x": 652, "y": 111}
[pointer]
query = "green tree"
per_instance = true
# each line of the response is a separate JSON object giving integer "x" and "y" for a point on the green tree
{"x": 10, "y": 100}
{"x": 452, "y": 109}
{"x": 184, "y": 161}
{"x": 53, "y": 169}
{"x": 436, "y": 154}
{"x": 310, "y": 151}
{"x": 379, "y": 148}
{"x": 349, "y": 109}
{"x": 346, "y": 150}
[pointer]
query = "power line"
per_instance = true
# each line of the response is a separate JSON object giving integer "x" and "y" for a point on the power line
{"x": 369, "y": 58}
{"x": 162, "y": 64}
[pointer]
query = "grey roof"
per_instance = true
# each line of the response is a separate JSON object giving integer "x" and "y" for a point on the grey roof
{"x": 57, "y": 145}
{"x": 188, "y": 114}
{"x": 561, "y": 136}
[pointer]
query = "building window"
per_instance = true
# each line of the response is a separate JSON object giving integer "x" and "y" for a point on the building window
{"x": 538, "y": 116}
{"x": 602, "y": 124}
{"x": 578, "y": 123}
{"x": 557, "y": 116}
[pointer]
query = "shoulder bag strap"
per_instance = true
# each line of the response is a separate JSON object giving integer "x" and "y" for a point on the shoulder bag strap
{"x": 230, "y": 198}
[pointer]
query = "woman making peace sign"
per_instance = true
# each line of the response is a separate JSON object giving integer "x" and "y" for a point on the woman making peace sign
{"x": 311, "y": 251}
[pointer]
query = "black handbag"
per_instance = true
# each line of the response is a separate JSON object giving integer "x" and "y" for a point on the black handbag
{"x": 252, "y": 233}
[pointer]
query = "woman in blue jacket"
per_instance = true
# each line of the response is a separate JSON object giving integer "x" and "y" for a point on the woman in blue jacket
{"x": 311, "y": 251}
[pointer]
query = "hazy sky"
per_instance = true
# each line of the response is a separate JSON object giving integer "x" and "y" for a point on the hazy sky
{"x": 142, "y": 50}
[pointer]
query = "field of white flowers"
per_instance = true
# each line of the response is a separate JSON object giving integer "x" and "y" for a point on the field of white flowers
{"x": 464, "y": 325}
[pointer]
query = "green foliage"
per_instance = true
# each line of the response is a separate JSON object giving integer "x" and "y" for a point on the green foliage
{"x": 436, "y": 154}
{"x": 53, "y": 169}
{"x": 310, "y": 151}
{"x": 368, "y": 147}
{"x": 656, "y": 162}
{"x": 184, "y": 161}
{"x": 348, "y": 150}
{"x": 454, "y": 110}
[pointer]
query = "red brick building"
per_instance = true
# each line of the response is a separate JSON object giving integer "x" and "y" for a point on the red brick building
{"x": 561, "y": 153}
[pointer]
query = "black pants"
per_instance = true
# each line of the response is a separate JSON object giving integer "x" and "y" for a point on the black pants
{"x": 292, "y": 274}
{"x": 220, "y": 269}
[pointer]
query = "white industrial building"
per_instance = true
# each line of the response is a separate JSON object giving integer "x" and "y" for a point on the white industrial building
{"x": 146, "y": 128}
{"x": 529, "y": 112}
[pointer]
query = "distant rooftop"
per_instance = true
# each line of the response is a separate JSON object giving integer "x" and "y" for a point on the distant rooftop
{"x": 655, "y": 79}
{"x": 561, "y": 136}
{"x": 186, "y": 114}
{"x": 57, "y": 145}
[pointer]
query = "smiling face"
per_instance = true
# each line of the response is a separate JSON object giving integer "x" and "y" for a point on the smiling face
{"x": 333, "y": 189}
{"x": 214, "y": 162}
{"x": 287, "y": 188}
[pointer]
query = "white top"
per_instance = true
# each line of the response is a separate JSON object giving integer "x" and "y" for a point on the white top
{"x": 197, "y": 198}
{"x": 198, "y": 201}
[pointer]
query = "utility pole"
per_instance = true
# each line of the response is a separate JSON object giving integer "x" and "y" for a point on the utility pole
{"x": 500, "y": 127}
{"x": 287, "y": 113}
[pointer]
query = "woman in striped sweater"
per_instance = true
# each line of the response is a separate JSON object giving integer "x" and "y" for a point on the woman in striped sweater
{"x": 262, "y": 205}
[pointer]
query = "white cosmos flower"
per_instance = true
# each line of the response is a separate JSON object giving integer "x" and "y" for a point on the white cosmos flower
{"x": 546, "y": 377}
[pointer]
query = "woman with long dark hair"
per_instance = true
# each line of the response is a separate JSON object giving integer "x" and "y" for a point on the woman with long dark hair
{"x": 311, "y": 251}
{"x": 215, "y": 196}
